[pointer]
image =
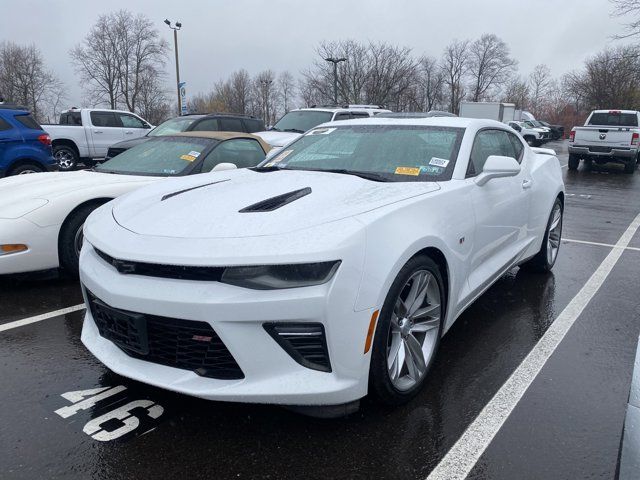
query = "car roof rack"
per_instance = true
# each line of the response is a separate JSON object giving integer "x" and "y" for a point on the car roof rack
{"x": 331, "y": 105}
{"x": 227, "y": 114}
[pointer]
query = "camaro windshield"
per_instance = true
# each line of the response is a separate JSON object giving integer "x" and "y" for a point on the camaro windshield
{"x": 302, "y": 121}
{"x": 398, "y": 153}
{"x": 161, "y": 156}
{"x": 175, "y": 125}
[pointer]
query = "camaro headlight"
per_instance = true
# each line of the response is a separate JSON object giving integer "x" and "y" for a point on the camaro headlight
{"x": 272, "y": 277}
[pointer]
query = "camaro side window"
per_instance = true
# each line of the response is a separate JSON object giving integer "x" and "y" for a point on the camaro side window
{"x": 487, "y": 143}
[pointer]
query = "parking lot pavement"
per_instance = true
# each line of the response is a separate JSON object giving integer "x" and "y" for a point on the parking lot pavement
{"x": 567, "y": 425}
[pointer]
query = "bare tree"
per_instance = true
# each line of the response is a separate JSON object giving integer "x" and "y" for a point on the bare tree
{"x": 517, "y": 91}
{"x": 117, "y": 55}
{"x": 429, "y": 85}
{"x": 490, "y": 66}
{"x": 152, "y": 100}
{"x": 24, "y": 79}
{"x": 240, "y": 92}
{"x": 610, "y": 79}
{"x": 540, "y": 82}
{"x": 630, "y": 11}
{"x": 287, "y": 87}
{"x": 266, "y": 96}
{"x": 455, "y": 63}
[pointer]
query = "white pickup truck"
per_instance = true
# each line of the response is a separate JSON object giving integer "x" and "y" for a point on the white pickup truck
{"x": 86, "y": 134}
{"x": 607, "y": 136}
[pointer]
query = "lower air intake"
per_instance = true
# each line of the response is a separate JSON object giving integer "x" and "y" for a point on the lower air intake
{"x": 306, "y": 343}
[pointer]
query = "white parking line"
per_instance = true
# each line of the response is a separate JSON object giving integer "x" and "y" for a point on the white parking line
{"x": 465, "y": 453}
{"x": 39, "y": 318}
{"x": 571, "y": 240}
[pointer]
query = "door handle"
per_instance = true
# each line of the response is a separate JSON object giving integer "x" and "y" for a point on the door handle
{"x": 128, "y": 133}
{"x": 527, "y": 183}
{"x": 97, "y": 131}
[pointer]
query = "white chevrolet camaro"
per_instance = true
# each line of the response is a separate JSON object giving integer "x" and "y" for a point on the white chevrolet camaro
{"x": 330, "y": 271}
{"x": 41, "y": 216}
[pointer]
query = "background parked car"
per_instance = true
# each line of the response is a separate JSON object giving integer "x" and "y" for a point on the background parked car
{"x": 212, "y": 122}
{"x": 294, "y": 123}
{"x": 43, "y": 215}
{"x": 557, "y": 131}
{"x": 86, "y": 134}
{"x": 532, "y": 135}
{"x": 24, "y": 146}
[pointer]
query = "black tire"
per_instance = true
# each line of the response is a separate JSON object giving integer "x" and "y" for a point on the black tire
{"x": 379, "y": 381}
{"x": 26, "y": 168}
{"x": 66, "y": 157}
{"x": 574, "y": 162}
{"x": 69, "y": 256}
{"x": 630, "y": 166}
{"x": 540, "y": 263}
{"x": 530, "y": 141}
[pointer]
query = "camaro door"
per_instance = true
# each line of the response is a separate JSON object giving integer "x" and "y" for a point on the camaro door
{"x": 501, "y": 208}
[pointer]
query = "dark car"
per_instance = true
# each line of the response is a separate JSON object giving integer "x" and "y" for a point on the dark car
{"x": 24, "y": 146}
{"x": 557, "y": 131}
{"x": 213, "y": 122}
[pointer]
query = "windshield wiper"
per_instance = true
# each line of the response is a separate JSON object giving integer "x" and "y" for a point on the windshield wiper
{"x": 294, "y": 130}
{"x": 274, "y": 129}
{"x": 376, "y": 177}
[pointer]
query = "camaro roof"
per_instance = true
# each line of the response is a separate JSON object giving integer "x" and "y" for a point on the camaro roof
{"x": 222, "y": 136}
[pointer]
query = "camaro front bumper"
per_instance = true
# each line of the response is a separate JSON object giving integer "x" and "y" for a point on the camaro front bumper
{"x": 42, "y": 252}
{"x": 237, "y": 315}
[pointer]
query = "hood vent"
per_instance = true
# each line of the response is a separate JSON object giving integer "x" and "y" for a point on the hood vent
{"x": 274, "y": 203}
{"x": 179, "y": 192}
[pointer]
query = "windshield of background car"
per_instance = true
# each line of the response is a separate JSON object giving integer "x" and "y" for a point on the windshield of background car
{"x": 614, "y": 119}
{"x": 175, "y": 125}
{"x": 161, "y": 156}
{"x": 302, "y": 121}
{"x": 399, "y": 153}
{"x": 529, "y": 124}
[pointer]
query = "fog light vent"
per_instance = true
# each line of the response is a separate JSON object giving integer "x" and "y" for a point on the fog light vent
{"x": 306, "y": 343}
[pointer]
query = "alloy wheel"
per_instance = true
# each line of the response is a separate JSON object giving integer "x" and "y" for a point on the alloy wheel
{"x": 414, "y": 330}
{"x": 64, "y": 159}
{"x": 26, "y": 172}
{"x": 555, "y": 234}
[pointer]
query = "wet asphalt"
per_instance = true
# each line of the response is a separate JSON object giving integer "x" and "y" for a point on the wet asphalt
{"x": 567, "y": 425}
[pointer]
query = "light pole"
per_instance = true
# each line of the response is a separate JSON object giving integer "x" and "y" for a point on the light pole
{"x": 266, "y": 84}
{"x": 175, "y": 29}
{"x": 335, "y": 62}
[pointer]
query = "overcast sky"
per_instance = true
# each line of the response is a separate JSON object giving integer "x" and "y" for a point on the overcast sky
{"x": 220, "y": 36}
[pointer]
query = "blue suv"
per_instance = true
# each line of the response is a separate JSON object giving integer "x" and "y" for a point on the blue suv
{"x": 24, "y": 146}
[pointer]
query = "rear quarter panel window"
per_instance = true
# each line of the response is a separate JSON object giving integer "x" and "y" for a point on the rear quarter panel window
{"x": 28, "y": 121}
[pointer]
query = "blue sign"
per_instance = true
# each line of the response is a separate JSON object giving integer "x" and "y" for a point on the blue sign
{"x": 183, "y": 98}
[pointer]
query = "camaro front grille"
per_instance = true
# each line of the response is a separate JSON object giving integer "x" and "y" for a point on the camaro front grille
{"x": 180, "y": 272}
{"x": 185, "y": 344}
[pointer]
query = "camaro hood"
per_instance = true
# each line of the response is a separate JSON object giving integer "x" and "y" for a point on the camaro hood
{"x": 18, "y": 191}
{"x": 278, "y": 139}
{"x": 245, "y": 203}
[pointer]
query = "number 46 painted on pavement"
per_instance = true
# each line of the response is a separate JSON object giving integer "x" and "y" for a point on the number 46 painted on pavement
{"x": 85, "y": 399}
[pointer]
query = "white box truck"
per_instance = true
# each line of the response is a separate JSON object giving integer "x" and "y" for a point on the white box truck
{"x": 502, "y": 112}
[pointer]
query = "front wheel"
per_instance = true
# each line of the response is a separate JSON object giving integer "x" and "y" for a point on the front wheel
{"x": 546, "y": 258}
{"x": 71, "y": 239}
{"x": 408, "y": 332}
{"x": 66, "y": 157}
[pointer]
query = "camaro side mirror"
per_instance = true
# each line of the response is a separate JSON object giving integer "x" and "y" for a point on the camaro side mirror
{"x": 224, "y": 166}
{"x": 498, "y": 166}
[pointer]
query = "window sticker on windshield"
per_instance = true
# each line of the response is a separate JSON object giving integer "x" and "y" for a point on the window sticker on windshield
{"x": 408, "y": 171}
{"x": 321, "y": 131}
{"x": 431, "y": 170}
{"x": 195, "y": 154}
{"x": 281, "y": 156}
{"x": 439, "y": 162}
{"x": 188, "y": 158}
{"x": 168, "y": 171}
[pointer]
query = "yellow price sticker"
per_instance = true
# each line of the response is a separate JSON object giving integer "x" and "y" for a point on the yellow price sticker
{"x": 188, "y": 158}
{"x": 408, "y": 171}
